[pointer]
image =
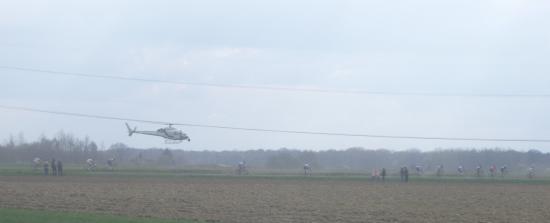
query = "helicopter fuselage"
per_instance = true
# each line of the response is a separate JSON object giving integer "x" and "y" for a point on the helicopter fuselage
{"x": 169, "y": 133}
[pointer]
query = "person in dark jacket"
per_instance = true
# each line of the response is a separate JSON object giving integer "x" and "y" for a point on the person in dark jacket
{"x": 54, "y": 167}
{"x": 46, "y": 168}
{"x": 59, "y": 168}
{"x": 406, "y": 173}
{"x": 383, "y": 174}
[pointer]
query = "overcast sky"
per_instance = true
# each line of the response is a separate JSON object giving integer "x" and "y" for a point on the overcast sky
{"x": 470, "y": 47}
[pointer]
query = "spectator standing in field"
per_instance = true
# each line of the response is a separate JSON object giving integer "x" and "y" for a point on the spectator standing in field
{"x": 531, "y": 172}
{"x": 402, "y": 174}
{"x": 419, "y": 170}
{"x": 439, "y": 170}
{"x": 383, "y": 174}
{"x": 54, "y": 167}
{"x": 46, "y": 168}
{"x": 111, "y": 164}
{"x": 91, "y": 164}
{"x": 503, "y": 170}
{"x": 376, "y": 174}
{"x": 36, "y": 163}
{"x": 460, "y": 170}
{"x": 59, "y": 168}
{"x": 406, "y": 173}
{"x": 307, "y": 169}
{"x": 242, "y": 168}
{"x": 478, "y": 171}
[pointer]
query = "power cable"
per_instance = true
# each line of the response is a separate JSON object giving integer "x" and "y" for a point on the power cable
{"x": 27, "y": 109}
{"x": 270, "y": 88}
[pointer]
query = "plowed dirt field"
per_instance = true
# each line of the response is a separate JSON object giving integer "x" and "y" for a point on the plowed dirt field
{"x": 280, "y": 200}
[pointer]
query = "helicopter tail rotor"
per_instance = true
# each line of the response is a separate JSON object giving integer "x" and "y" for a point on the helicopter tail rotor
{"x": 130, "y": 131}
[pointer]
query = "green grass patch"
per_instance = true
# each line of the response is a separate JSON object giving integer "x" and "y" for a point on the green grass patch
{"x": 228, "y": 173}
{"x": 36, "y": 216}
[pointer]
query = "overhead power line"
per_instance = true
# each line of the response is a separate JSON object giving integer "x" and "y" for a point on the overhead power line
{"x": 270, "y": 88}
{"x": 27, "y": 109}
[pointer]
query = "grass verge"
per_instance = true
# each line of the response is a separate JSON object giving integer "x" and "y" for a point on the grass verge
{"x": 37, "y": 216}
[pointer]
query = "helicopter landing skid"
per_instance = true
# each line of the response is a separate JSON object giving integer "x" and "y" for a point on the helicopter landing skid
{"x": 171, "y": 141}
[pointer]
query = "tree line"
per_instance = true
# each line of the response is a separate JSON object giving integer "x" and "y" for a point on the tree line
{"x": 70, "y": 149}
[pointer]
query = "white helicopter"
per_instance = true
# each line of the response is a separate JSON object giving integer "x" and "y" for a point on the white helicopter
{"x": 171, "y": 134}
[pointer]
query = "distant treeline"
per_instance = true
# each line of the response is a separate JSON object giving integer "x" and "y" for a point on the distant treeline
{"x": 74, "y": 150}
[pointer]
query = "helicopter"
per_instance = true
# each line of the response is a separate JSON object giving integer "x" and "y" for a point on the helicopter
{"x": 171, "y": 134}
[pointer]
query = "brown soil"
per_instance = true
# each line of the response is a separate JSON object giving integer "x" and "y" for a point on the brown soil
{"x": 265, "y": 200}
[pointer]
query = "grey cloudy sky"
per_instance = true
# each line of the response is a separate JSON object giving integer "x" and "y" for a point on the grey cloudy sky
{"x": 472, "y": 47}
